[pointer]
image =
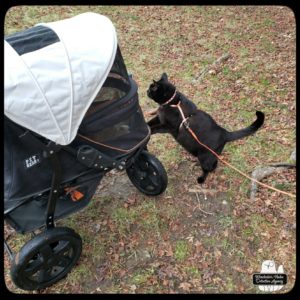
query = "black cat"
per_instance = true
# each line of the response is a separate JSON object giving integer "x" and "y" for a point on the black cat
{"x": 169, "y": 119}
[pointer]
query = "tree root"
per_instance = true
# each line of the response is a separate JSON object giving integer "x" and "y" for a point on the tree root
{"x": 211, "y": 66}
{"x": 264, "y": 171}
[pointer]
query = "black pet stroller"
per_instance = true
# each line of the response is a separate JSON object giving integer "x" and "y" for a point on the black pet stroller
{"x": 71, "y": 115}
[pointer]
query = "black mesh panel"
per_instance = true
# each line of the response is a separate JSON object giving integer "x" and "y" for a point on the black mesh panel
{"x": 115, "y": 117}
{"x": 116, "y": 85}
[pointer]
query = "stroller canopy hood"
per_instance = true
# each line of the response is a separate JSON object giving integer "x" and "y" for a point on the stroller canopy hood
{"x": 53, "y": 71}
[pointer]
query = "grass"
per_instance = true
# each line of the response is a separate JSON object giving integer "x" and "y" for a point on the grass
{"x": 168, "y": 157}
{"x": 193, "y": 272}
{"x": 225, "y": 222}
{"x": 209, "y": 242}
{"x": 124, "y": 218}
{"x": 181, "y": 250}
{"x": 182, "y": 41}
{"x": 83, "y": 272}
{"x": 268, "y": 46}
{"x": 141, "y": 276}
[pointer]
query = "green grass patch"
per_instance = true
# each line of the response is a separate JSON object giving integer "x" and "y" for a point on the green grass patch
{"x": 268, "y": 22}
{"x": 151, "y": 221}
{"x": 265, "y": 82}
{"x": 141, "y": 276}
{"x": 124, "y": 217}
{"x": 193, "y": 272}
{"x": 226, "y": 245}
{"x": 244, "y": 51}
{"x": 226, "y": 70}
{"x": 230, "y": 285}
{"x": 172, "y": 189}
{"x": 267, "y": 45}
{"x": 145, "y": 216}
{"x": 246, "y": 231}
{"x": 181, "y": 250}
{"x": 209, "y": 241}
{"x": 259, "y": 223}
{"x": 80, "y": 273}
{"x": 225, "y": 221}
{"x": 245, "y": 102}
{"x": 171, "y": 212}
{"x": 283, "y": 186}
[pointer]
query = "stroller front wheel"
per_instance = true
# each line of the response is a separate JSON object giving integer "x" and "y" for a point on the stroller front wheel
{"x": 46, "y": 259}
{"x": 148, "y": 174}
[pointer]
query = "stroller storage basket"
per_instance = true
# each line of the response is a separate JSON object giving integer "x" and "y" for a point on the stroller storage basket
{"x": 32, "y": 214}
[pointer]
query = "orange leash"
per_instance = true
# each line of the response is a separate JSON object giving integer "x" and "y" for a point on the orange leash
{"x": 225, "y": 162}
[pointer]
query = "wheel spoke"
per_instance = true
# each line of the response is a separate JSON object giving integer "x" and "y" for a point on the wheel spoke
{"x": 34, "y": 266}
{"x": 153, "y": 179}
{"x": 63, "y": 261}
{"x": 44, "y": 275}
{"x": 62, "y": 247}
{"x": 46, "y": 252}
{"x": 148, "y": 184}
{"x": 142, "y": 165}
{"x": 63, "y": 253}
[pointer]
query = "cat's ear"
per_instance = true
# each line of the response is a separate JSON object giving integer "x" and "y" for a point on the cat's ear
{"x": 154, "y": 81}
{"x": 164, "y": 77}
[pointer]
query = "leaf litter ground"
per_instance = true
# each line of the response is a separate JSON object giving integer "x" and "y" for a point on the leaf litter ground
{"x": 192, "y": 239}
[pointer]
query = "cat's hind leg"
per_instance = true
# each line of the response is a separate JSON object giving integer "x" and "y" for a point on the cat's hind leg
{"x": 208, "y": 163}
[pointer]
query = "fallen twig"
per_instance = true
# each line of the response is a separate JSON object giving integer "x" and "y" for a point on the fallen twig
{"x": 204, "y": 191}
{"x": 207, "y": 68}
{"x": 199, "y": 206}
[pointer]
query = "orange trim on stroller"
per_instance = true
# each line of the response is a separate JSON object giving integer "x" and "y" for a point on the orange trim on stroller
{"x": 115, "y": 148}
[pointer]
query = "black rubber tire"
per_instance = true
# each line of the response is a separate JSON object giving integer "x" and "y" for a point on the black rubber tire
{"x": 148, "y": 174}
{"x": 46, "y": 258}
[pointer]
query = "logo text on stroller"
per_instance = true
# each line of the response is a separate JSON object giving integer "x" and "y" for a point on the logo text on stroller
{"x": 31, "y": 161}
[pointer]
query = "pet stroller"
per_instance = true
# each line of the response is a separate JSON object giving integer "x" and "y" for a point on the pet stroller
{"x": 71, "y": 115}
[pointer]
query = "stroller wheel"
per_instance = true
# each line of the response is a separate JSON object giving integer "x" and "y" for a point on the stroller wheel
{"x": 148, "y": 174}
{"x": 46, "y": 259}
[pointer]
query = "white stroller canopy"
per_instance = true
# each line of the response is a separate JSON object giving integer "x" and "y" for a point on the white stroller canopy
{"x": 51, "y": 82}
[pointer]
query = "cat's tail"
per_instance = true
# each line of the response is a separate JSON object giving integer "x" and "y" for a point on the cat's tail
{"x": 235, "y": 135}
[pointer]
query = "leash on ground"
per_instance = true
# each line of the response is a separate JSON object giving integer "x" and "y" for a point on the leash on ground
{"x": 237, "y": 170}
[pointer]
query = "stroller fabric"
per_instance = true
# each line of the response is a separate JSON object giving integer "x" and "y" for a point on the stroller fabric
{"x": 59, "y": 68}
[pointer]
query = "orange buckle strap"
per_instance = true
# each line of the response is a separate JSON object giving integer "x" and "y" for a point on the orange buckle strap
{"x": 75, "y": 194}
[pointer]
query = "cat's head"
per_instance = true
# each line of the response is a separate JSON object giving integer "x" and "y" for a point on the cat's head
{"x": 162, "y": 90}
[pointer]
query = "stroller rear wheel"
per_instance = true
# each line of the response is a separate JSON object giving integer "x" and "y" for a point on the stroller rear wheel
{"x": 46, "y": 259}
{"x": 148, "y": 174}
